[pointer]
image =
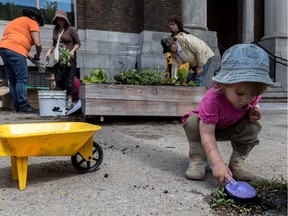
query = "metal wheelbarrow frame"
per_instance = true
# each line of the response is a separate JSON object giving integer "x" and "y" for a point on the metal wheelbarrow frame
{"x": 75, "y": 139}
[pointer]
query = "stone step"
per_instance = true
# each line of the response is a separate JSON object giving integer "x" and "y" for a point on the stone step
{"x": 276, "y": 94}
{"x": 276, "y": 84}
{"x": 275, "y": 89}
{"x": 275, "y": 106}
{"x": 274, "y": 100}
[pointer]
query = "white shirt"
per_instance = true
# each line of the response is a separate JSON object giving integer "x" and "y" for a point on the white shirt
{"x": 179, "y": 50}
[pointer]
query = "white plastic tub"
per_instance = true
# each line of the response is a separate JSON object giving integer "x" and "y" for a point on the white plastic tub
{"x": 51, "y": 102}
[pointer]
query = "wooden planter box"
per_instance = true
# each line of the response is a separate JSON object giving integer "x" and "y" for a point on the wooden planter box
{"x": 138, "y": 100}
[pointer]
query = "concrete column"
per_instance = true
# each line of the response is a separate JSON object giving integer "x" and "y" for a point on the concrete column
{"x": 275, "y": 36}
{"x": 275, "y": 19}
{"x": 194, "y": 18}
{"x": 248, "y": 21}
{"x": 194, "y": 14}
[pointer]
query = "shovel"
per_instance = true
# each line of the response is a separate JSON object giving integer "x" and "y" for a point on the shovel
{"x": 239, "y": 190}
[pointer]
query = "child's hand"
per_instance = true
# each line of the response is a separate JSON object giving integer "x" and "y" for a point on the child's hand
{"x": 221, "y": 171}
{"x": 254, "y": 114}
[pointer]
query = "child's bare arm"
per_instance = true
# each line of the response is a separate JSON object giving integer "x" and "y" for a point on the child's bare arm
{"x": 208, "y": 140}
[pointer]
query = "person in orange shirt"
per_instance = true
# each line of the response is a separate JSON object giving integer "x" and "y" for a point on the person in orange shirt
{"x": 19, "y": 36}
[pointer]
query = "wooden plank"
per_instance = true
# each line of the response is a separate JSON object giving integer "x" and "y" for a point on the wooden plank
{"x": 129, "y": 100}
{"x": 132, "y": 92}
{"x": 135, "y": 108}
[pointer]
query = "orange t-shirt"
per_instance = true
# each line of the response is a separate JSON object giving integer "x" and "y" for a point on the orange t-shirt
{"x": 17, "y": 35}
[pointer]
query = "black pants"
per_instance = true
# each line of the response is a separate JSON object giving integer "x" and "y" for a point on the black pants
{"x": 64, "y": 77}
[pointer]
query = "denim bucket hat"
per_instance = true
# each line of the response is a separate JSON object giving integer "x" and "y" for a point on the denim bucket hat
{"x": 244, "y": 63}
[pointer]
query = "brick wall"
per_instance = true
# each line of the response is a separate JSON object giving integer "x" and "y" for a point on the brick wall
{"x": 157, "y": 12}
{"x": 132, "y": 16}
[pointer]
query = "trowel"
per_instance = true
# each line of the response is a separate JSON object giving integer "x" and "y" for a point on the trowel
{"x": 240, "y": 190}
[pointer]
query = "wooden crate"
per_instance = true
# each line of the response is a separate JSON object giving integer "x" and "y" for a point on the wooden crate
{"x": 144, "y": 100}
{"x": 32, "y": 98}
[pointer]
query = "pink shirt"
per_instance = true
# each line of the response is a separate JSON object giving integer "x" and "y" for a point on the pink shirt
{"x": 215, "y": 109}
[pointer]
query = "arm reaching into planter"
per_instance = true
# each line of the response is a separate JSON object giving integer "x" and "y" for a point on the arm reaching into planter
{"x": 186, "y": 48}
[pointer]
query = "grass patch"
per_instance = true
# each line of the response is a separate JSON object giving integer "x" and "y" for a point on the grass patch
{"x": 271, "y": 199}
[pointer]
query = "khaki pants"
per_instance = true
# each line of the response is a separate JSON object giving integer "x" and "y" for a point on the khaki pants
{"x": 243, "y": 134}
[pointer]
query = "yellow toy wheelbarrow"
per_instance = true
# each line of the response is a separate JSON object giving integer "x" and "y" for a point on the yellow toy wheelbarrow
{"x": 19, "y": 141}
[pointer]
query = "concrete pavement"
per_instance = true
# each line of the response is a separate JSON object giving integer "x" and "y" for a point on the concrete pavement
{"x": 142, "y": 172}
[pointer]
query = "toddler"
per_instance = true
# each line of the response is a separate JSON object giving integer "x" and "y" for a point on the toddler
{"x": 229, "y": 111}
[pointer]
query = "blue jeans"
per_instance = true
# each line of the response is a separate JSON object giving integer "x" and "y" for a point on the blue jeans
{"x": 200, "y": 80}
{"x": 17, "y": 71}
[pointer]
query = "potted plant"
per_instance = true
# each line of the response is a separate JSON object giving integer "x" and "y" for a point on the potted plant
{"x": 65, "y": 57}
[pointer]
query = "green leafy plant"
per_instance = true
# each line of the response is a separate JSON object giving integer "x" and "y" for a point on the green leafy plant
{"x": 182, "y": 77}
{"x": 96, "y": 76}
{"x": 219, "y": 197}
{"x": 148, "y": 76}
{"x": 129, "y": 77}
{"x": 65, "y": 57}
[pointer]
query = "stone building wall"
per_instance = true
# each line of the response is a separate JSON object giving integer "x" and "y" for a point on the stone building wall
{"x": 132, "y": 16}
{"x": 122, "y": 35}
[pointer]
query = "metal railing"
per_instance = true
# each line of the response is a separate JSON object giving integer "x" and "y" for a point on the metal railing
{"x": 274, "y": 60}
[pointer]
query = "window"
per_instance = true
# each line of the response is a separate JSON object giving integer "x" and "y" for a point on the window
{"x": 11, "y": 9}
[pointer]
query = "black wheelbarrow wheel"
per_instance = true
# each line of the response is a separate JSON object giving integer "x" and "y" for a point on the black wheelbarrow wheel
{"x": 83, "y": 166}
